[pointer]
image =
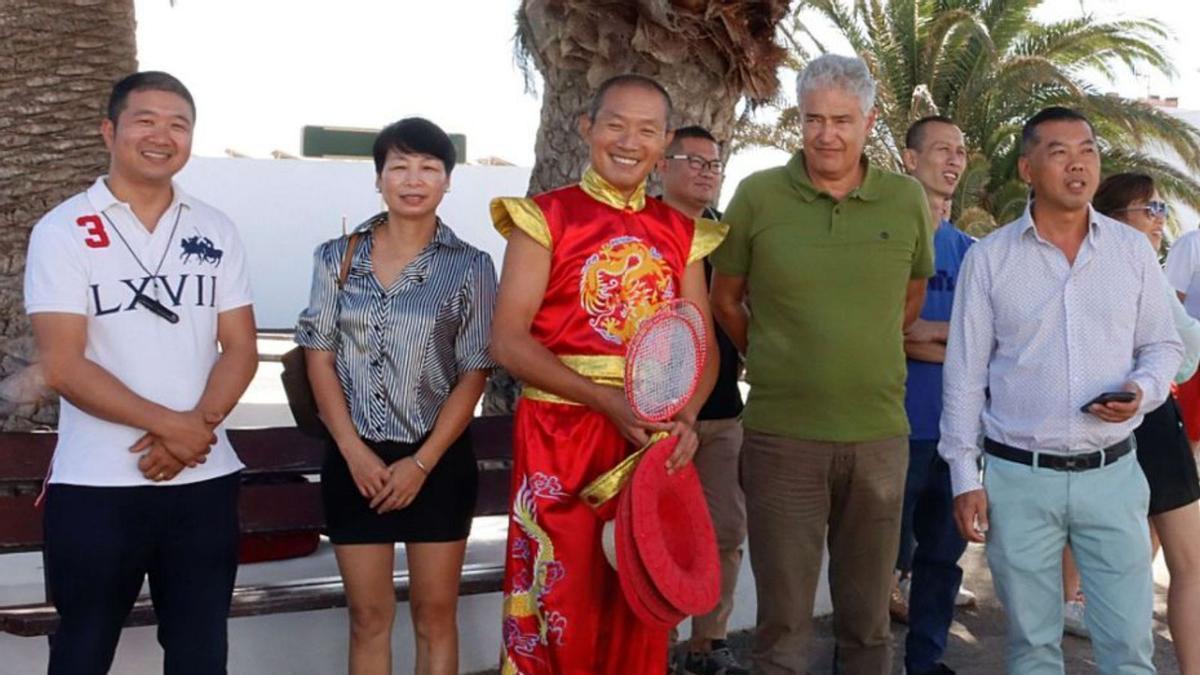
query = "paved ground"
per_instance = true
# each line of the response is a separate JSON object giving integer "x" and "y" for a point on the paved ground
{"x": 977, "y": 638}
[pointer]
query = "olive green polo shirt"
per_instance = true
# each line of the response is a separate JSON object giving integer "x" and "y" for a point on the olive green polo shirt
{"x": 826, "y": 283}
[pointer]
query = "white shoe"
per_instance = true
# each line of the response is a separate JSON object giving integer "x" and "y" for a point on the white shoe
{"x": 964, "y": 598}
{"x": 1073, "y": 624}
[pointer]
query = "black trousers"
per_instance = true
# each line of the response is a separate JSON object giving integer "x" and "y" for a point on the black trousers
{"x": 102, "y": 542}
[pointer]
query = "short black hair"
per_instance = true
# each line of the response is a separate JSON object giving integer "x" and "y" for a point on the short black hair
{"x": 416, "y": 136}
{"x": 916, "y": 133}
{"x": 629, "y": 80}
{"x": 1054, "y": 113}
{"x": 149, "y": 80}
{"x": 691, "y": 131}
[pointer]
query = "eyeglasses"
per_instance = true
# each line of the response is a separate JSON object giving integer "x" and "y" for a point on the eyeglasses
{"x": 699, "y": 164}
{"x": 1154, "y": 209}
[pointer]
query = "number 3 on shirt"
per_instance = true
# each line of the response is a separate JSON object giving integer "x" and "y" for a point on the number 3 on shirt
{"x": 95, "y": 228}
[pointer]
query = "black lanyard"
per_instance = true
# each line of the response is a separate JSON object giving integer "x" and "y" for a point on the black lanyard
{"x": 151, "y": 304}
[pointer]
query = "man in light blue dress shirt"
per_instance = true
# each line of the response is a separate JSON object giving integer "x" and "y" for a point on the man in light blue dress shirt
{"x": 1052, "y": 310}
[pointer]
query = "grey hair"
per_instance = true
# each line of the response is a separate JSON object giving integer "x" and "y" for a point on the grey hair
{"x": 834, "y": 71}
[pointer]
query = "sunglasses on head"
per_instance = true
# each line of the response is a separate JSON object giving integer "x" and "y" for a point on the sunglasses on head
{"x": 1154, "y": 209}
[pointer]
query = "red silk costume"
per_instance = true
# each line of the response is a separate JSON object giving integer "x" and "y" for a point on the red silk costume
{"x": 611, "y": 262}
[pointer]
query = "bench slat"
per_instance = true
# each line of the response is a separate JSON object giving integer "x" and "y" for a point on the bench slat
{"x": 295, "y": 596}
{"x": 20, "y": 524}
{"x": 24, "y": 456}
{"x": 287, "y": 507}
{"x": 263, "y": 509}
{"x": 267, "y": 506}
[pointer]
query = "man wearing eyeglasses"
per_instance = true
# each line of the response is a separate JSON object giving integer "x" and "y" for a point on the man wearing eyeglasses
{"x": 691, "y": 178}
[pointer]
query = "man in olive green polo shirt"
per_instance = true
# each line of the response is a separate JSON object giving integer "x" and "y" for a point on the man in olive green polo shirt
{"x": 831, "y": 255}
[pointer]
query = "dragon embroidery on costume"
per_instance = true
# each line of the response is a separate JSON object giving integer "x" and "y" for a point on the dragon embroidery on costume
{"x": 621, "y": 284}
{"x": 525, "y": 597}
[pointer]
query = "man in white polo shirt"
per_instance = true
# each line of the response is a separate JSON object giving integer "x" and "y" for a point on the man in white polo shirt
{"x": 131, "y": 286}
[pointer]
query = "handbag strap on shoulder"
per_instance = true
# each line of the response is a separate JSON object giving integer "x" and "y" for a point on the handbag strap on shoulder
{"x": 347, "y": 257}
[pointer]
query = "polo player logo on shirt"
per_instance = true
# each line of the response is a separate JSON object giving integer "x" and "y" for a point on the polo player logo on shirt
{"x": 622, "y": 284}
{"x": 202, "y": 248}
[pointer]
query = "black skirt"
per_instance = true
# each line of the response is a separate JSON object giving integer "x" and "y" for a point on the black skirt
{"x": 1166, "y": 459}
{"x": 441, "y": 511}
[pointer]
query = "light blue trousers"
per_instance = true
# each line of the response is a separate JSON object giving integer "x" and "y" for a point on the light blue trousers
{"x": 1101, "y": 513}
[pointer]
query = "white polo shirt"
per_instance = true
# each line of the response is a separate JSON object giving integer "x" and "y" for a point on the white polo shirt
{"x": 83, "y": 259}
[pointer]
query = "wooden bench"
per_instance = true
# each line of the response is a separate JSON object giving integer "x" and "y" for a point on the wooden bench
{"x": 272, "y": 502}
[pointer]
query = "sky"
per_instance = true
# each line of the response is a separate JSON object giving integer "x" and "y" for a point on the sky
{"x": 262, "y": 69}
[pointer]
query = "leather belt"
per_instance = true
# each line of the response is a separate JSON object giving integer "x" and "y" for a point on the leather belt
{"x": 1082, "y": 461}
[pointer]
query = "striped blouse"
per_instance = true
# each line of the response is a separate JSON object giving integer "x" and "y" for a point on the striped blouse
{"x": 401, "y": 349}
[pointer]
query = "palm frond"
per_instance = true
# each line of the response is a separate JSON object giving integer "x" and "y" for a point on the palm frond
{"x": 1085, "y": 44}
{"x": 1173, "y": 183}
{"x": 1137, "y": 124}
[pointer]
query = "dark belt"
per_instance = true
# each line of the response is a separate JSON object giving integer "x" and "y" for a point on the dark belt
{"x": 1078, "y": 462}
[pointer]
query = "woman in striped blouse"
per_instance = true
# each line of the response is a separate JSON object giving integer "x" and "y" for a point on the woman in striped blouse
{"x": 398, "y": 356}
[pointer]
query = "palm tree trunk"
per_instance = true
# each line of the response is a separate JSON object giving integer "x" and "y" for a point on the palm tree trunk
{"x": 58, "y": 61}
{"x": 560, "y": 153}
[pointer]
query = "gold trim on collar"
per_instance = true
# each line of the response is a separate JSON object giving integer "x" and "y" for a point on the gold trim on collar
{"x": 522, "y": 213}
{"x": 706, "y": 236}
{"x": 602, "y": 191}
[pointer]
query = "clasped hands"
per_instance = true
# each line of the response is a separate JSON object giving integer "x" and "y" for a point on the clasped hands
{"x": 611, "y": 402}
{"x": 179, "y": 440}
{"x": 388, "y": 487}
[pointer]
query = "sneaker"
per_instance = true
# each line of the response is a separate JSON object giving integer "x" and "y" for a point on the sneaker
{"x": 964, "y": 598}
{"x": 898, "y": 601}
{"x": 719, "y": 661}
{"x": 1073, "y": 619}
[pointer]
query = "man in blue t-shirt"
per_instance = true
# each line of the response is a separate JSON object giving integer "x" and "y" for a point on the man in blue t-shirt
{"x": 930, "y": 546}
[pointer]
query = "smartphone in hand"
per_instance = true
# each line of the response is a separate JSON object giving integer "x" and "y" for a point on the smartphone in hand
{"x": 1110, "y": 397}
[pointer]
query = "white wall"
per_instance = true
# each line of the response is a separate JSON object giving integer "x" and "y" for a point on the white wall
{"x": 285, "y": 208}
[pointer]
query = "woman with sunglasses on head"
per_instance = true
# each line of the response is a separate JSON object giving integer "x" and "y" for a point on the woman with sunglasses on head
{"x": 1162, "y": 447}
{"x": 397, "y": 354}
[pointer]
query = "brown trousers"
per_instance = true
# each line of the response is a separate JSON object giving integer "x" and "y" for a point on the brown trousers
{"x": 800, "y": 494}
{"x": 717, "y": 463}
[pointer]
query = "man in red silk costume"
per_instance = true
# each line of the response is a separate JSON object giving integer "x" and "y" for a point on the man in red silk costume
{"x": 584, "y": 265}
